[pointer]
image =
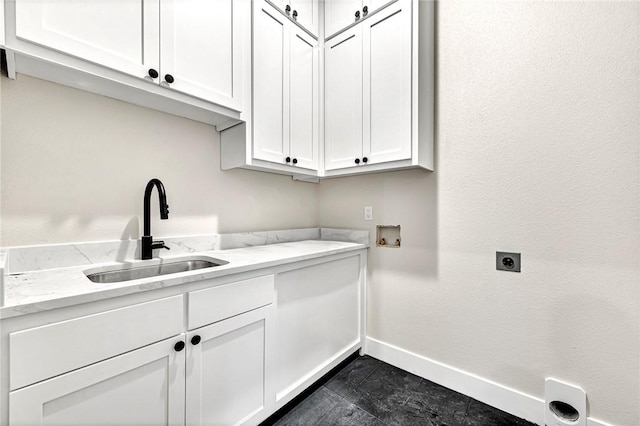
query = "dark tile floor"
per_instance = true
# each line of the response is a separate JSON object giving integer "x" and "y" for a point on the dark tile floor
{"x": 370, "y": 392}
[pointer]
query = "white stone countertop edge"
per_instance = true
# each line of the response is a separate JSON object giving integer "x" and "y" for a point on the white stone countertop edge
{"x": 62, "y": 287}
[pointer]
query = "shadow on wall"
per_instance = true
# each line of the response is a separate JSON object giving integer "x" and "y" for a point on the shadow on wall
{"x": 129, "y": 237}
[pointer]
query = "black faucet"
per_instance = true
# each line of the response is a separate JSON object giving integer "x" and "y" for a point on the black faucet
{"x": 147, "y": 240}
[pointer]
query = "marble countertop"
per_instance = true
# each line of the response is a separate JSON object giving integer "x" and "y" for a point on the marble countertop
{"x": 47, "y": 289}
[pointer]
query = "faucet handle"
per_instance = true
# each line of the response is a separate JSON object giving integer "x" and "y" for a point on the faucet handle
{"x": 159, "y": 245}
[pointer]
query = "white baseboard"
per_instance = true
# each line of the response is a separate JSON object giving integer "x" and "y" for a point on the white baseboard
{"x": 506, "y": 399}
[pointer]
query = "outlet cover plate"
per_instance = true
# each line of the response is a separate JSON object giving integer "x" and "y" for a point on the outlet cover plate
{"x": 509, "y": 262}
{"x": 368, "y": 213}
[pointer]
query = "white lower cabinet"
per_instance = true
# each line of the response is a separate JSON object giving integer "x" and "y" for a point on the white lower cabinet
{"x": 215, "y": 375}
{"x": 318, "y": 318}
{"x": 240, "y": 351}
{"x": 226, "y": 369}
{"x": 142, "y": 387}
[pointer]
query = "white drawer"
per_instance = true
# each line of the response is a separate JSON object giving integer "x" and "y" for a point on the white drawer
{"x": 217, "y": 303}
{"x": 43, "y": 352}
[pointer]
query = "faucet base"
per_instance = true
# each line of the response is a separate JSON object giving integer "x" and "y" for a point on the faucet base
{"x": 146, "y": 251}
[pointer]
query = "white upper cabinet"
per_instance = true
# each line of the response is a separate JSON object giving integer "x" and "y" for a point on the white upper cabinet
{"x": 343, "y": 99}
{"x": 270, "y": 93}
{"x": 368, "y": 91}
{"x": 285, "y": 91}
{"x": 376, "y": 105}
{"x": 303, "y": 99}
{"x": 339, "y": 14}
{"x": 387, "y": 84}
{"x": 122, "y": 35}
{"x": 304, "y": 12}
{"x": 116, "y": 48}
{"x": 200, "y": 48}
{"x": 2, "y": 42}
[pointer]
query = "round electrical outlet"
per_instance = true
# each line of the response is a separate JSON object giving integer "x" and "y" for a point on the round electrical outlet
{"x": 508, "y": 262}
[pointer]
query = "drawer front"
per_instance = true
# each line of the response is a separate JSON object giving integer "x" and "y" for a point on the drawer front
{"x": 43, "y": 352}
{"x": 217, "y": 303}
{"x": 141, "y": 387}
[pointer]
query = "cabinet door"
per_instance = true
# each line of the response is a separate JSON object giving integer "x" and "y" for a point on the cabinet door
{"x": 339, "y": 14}
{"x": 201, "y": 49}
{"x": 373, "y": 5}
{"x": 317, "y": 318}
{"x": 122, "y": 35}
{"x": 304, "y": 102}
{"x": 281, "y": 4}
{"x": 143, "y": 387}
{"x": 307, "y": 14}
{"x": 226, "y": 370}
{"x": 387, "y": 84}
{"x": 270, "y": 84}
{"x": 343, "y": 99}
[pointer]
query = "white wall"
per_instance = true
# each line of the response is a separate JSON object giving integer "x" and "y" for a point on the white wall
{"x": 74, "y": 167}
{"x": 537, "y": 152}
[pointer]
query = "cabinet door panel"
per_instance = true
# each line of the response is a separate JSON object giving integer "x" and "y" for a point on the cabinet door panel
{"x": 338, "y": 14}
{"x": 226, "y": 371}
{"x": 374, "y": 4}
{"x": 281, "y": 4}
{"x": 343, "y": 99}
{"x": 122, "y": 34}
{"x": 303, "y": 63}
{"x": 143, "y": 387}
{"x": 387, "y": 84}
{"x": 200, "y": 42}
{"x": 317, "y": 318}
{"x": 307, "y": 13}
{"x": 104, "y": 335}
{"x": 270, "y": 85}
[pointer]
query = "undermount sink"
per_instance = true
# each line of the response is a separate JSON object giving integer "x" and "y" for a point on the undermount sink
{"x": 128, "y": 273}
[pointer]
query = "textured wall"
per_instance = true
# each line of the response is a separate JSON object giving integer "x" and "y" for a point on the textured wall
{"x": 537, "y": 152}
{"x": 75, "y": 165}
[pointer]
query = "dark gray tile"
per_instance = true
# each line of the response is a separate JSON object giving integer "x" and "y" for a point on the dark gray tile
{"x": 370, "y": 392}
{"x": 446, "y": 405}
{"x": 389, "y": 378}
{"x": 413, "y": 416}
{"x": 313, "y": 408}
{"x": 346, "y": 382}
{"x": 455, "y": 419}
{"x": 385, "y": 391}
{"x": 347, "y": 414}
{"x": 479, "y": 414}
{"x": 425, "y": 408}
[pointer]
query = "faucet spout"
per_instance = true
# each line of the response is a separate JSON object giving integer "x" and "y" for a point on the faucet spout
{"x": 147, "y": 240}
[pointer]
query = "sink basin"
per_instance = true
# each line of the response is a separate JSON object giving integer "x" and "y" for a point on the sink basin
{"x": 157, "y": 269}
